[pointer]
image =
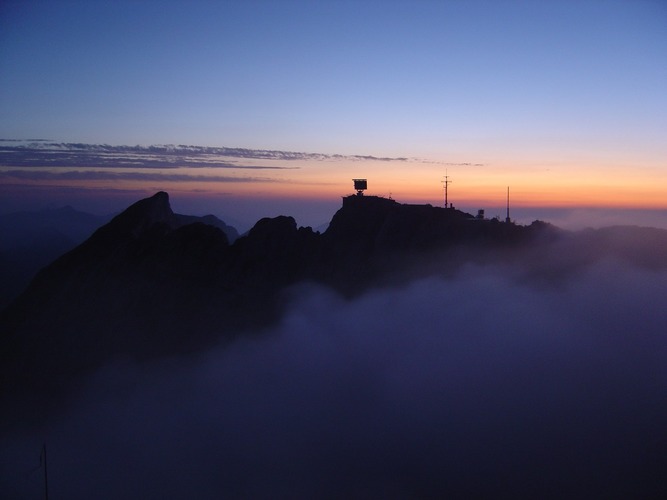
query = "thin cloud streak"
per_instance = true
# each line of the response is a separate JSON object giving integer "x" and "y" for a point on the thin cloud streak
{"x": 77, "y": 175}
{"x": 50, "y": 154}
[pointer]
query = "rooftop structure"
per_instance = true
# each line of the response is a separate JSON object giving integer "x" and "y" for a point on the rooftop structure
{"x": 360, "y": 185}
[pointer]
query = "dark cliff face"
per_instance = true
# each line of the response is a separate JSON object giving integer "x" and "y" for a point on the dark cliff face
{"x": 129, "y": 289}
{"x": 373, "y": 225}
{"x": 273, "y": 254}
{"x": 372, "y": 238}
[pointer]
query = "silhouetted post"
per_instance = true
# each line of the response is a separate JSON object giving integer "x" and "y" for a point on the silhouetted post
{"x": 46, "y": 473}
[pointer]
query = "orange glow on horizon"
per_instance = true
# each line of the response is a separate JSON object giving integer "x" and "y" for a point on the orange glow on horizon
{"x": 411, "y": 181}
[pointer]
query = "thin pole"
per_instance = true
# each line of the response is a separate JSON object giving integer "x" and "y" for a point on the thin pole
{"x": 46, "y": 474}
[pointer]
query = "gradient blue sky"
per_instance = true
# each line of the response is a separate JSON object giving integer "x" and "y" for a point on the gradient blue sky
{"x": 522, "y": 86}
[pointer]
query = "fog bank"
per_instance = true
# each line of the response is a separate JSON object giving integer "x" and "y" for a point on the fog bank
{"x": 474, "y": 385}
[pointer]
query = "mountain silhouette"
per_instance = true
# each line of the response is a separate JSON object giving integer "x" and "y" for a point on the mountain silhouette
{"x": 33, "y": 239}
{"x": 153, "y": 283}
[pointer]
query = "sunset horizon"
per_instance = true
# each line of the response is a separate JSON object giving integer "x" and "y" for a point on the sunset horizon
{"x": 223, "y": 180}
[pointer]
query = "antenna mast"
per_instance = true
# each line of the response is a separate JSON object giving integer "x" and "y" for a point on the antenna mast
{"x": 446, "y": 182}
{"x": 507, "y": 219}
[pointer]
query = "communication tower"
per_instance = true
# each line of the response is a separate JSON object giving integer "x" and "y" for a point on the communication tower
{"x": 446, "y": 182}
{"x": 507, "y": 219}
{"x": 360, "y": 185}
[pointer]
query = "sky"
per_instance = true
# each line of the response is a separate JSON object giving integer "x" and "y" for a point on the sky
{"x": 563, "y": 101}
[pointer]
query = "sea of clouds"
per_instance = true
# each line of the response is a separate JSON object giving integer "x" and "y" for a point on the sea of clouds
{"x": 484, "y": 383}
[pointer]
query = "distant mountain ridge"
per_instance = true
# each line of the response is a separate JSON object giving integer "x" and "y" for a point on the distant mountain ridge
{"x": 31, "y": 240}
{"x": 154, "y": 283}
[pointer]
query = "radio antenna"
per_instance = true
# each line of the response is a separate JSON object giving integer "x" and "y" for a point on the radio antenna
{"x": 507, "y": 219}
{"x": 446, "y": 182}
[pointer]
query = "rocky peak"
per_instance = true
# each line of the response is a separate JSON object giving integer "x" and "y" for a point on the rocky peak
{"x": 277, "y": 238}
{"x": 143, "y": 216}
{"x": 272, "y": 228}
